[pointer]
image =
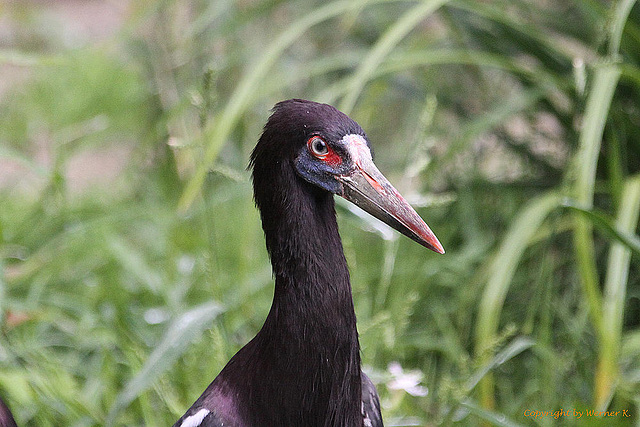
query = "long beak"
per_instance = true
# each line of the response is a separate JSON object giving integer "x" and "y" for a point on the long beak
{"x": 367, "y": 188}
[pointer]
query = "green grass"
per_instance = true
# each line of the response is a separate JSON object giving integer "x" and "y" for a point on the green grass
{"x": 513, "y": 127}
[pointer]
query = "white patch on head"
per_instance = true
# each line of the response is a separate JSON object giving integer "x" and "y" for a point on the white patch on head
{"x": 357, "y": 147}
{"x": 196, "y": 419}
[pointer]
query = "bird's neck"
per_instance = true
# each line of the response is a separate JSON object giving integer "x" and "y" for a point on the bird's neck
{"x": 310, "y": 269}
{"x": 310, "y": 334}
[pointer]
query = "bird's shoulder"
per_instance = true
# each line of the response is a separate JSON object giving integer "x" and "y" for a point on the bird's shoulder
{"x": 372, "y": 417}
{"x": 218, "y": 406}
{"x": 6, "y": 418}
{"x": 199, "y": 417}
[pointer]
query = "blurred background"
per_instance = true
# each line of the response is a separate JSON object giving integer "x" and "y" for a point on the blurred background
{"x": 132, "y": 261}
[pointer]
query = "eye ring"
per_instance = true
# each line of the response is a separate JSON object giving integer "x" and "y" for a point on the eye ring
{"x": 318, "y": 147}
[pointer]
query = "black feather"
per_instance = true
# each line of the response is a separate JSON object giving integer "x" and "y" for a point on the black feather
{"x": 303, "y": 367}
{"x": 6, "y": 418}
{"x": 370, "y": 404}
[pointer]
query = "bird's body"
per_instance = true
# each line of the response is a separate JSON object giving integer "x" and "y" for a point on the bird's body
{"x": 6, "y": 418}
{"x": 303, "y": 367}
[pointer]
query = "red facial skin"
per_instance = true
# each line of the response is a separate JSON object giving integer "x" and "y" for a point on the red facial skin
{"x": 330, "y": 157}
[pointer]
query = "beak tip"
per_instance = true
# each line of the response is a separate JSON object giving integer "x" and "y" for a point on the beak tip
{"x": 436, "y": 246}
{"x": 428, "y": 239}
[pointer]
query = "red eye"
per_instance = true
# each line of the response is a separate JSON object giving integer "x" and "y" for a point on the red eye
{"x": 318, "y": 147}
{"x": 321, "y": 150}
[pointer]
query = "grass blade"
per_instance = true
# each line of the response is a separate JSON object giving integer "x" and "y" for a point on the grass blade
{"x": 517, "y": 239}
{"x": 586, "y": 162}
{"x": 621, "y": 13}
{"x": 516, "y": 347}
{"x": 13, "y": 155}
{"x": 25, "y": 59}
{"x": 490, "y": 416}
{"x": 604, "y": 224}
{"x": 177, "y": 339}
{"x": 614, "y": 297}
{"x": 403, "y": 61}
{"x": 384, "y": 46}
{"x": 217, "y": 132}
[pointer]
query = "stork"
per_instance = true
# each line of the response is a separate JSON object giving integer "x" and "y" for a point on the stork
{"x": 302, "y": 369}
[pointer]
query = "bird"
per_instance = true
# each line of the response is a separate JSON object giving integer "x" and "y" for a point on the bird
{"x": 303, "y": 367}
{"x": 6, "y": 418}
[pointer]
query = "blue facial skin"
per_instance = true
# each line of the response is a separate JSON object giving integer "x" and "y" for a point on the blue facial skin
{"x": 323, "y": 174}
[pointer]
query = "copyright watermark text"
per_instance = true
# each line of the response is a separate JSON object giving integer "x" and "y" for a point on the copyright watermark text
{"x": 558, "y": 413}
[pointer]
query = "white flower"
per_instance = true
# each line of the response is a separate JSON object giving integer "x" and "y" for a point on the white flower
{"x": 407, "y": 381}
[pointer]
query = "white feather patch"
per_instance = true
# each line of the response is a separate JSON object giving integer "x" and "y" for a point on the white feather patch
{"x": 195, "y": 419}
{"x": 357, "y": 146}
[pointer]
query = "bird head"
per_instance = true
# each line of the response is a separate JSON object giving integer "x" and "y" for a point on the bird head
{"x": 331, "y": 151}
